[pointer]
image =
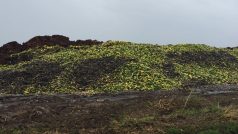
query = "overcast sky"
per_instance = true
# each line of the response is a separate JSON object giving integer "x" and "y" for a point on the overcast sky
{"x": 213, "y": 22}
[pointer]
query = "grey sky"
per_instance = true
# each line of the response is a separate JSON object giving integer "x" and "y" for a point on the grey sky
{"x": 213, "y": 22}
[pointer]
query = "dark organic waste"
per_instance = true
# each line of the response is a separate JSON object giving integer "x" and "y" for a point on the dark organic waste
{"x": 54, "y": 64}
{"x": 203, "y": 57}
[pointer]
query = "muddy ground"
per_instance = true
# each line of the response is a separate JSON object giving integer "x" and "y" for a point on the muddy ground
{"x": 172, "y": 112}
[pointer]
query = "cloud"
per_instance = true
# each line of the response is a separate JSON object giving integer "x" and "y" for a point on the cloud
{"x": 157, "y": 21}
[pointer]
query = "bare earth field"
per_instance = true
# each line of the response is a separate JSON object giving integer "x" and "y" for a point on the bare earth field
{"x": 205, "y": 110}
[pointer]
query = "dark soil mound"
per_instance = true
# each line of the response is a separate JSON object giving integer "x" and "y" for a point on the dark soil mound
{"x": 40, "y": 41}
{"x": 8, "y": 49}
{"x": 11, "y": 47}
{"x": 88, "y": 42}
{"x": 48, "y": 40}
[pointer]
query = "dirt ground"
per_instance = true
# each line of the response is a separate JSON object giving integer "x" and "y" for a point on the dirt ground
{"x": 172, "y": 112}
